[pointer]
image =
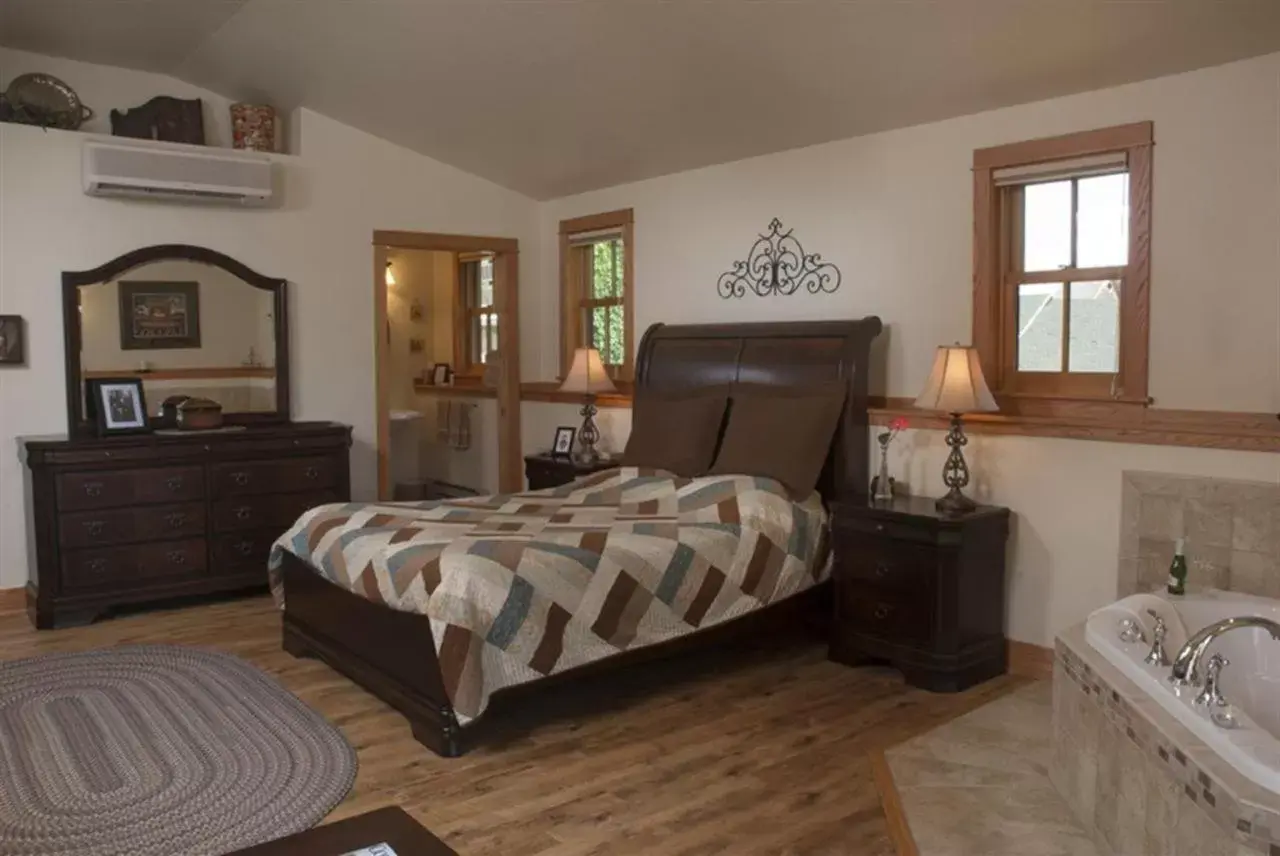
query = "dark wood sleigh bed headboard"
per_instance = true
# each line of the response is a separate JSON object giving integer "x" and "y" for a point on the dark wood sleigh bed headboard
{"x": 786, "y": 353}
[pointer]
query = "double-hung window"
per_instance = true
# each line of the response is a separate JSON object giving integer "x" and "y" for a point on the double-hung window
{"x": 596, "y": 297}
{"x": 1062, "y": 265}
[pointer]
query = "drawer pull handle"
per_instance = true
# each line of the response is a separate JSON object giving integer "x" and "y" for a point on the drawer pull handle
{"x": 94, "y": 527}
{"x": 880, "y": 527}
{"x": 176, "y": 557}
{"x": 244, "y": 548}
{"x": 175, "y": 519}
{"x": 882, "y": 570}
{"x": 312, "y": 473}
{"x": 93, "y": 488}
{"x": 244, "y": 512}
{"x": 174, "y": 482}
{"x": 882, "y": 611}
{"x": 241, "y": 478}
{"x": 96, "y": 566}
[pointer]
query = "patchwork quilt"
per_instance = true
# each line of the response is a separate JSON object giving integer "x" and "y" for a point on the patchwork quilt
{"x": 519, "y": 586}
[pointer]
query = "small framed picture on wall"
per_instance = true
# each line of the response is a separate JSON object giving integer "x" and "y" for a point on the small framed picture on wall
{"x": 12, "y": 350}
{"x": 563, "y": 446}
{"x": 117, "y": 405}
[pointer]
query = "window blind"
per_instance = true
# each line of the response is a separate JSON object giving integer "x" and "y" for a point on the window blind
{"x": 580, "y": 239}
{"x": 1103, "y": 164}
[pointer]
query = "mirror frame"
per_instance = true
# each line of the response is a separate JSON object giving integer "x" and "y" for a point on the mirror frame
{"x": 73, "y": 281}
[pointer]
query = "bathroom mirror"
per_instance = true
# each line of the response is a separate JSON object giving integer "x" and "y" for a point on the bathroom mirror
{"x": 185, "y": 321}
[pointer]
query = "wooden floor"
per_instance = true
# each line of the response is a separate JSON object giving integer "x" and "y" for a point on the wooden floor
{"x": 762, "y": 752}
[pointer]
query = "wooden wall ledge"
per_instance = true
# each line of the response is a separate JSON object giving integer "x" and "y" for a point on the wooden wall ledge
{"x": 211, "y": 373}
{"x": 550, "y": 391}
{"x": 1252, "y": 432}
{"x": 536, "y": 391}
{"x": 459, "y": 391}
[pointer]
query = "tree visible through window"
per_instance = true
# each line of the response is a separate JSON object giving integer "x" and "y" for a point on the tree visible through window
{"x": 596, "y": 298}
{"x": 602, "y": 309}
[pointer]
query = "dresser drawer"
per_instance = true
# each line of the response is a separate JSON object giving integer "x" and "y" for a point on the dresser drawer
{"x": 111, "y": 489}
{"x": 123, "y": 525}
{"x": 893, "y": 616}
{"x": 254, "y": 477}
{"x": 895, "y": 566}
{"x": 135, "y": 566}
{"x": 241, "y": 552}
{"x": 275, "y": 511}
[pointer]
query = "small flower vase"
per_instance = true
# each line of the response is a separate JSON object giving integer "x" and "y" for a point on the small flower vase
{"x": 882, "y": 485}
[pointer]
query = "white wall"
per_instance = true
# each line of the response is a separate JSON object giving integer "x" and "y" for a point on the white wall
{"x": 346, "y": 185}
{"x": 894, "y": 211}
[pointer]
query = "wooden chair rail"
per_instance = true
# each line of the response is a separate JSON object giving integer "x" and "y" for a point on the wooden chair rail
{"x": 1115, "y": 423}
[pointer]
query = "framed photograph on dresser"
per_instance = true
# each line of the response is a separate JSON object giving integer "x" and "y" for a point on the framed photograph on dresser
{"x": 117, "y": 405}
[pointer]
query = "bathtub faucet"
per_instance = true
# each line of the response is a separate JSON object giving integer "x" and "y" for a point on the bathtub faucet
{"x": 1186, "y": 666}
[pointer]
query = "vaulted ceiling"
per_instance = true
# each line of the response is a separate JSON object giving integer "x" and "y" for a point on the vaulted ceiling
{"x": 553, "y": 97}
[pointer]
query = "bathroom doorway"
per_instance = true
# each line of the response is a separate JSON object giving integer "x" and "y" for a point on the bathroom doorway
{"x": 447, "y": 364}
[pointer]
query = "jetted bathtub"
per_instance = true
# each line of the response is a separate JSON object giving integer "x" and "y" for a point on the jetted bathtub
{"x": 1251, "y": 683}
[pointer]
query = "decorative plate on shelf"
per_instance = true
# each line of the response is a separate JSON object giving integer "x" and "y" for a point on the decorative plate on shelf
{"x": 44, "y": 100}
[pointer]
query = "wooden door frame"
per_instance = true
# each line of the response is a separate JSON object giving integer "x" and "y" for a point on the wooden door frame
{"x": 506, "y": 282}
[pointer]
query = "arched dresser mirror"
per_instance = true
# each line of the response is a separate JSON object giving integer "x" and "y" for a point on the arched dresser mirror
{"x": 185, "y": 321}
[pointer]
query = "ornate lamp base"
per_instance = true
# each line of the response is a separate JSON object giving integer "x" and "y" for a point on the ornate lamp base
{"x": 588, "y": 434}
{"x": 955, "y": 472}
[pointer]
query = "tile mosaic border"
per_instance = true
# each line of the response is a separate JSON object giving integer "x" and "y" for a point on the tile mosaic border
{"x": 1247, "y": 823}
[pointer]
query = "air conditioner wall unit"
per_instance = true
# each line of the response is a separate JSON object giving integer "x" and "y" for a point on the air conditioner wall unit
{"x": 179, "y": 175}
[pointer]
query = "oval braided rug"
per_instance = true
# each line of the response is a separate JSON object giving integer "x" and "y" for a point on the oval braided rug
{"x": 158, "y": 750}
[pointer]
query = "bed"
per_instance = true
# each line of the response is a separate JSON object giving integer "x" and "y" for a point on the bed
{"x": 357, "y": 599}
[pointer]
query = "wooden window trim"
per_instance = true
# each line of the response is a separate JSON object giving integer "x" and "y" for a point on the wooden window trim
{"x": 991, "y": 306}
{"x": 624, "y": 221}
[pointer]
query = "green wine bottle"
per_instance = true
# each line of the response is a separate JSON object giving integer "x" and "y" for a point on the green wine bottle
{"x": 1178, "y": 569}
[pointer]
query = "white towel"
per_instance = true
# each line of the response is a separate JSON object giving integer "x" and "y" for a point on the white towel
{"x": 444, "y": 416}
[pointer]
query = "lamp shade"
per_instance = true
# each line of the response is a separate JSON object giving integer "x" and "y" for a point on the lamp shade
{"x": 587, "y": 374}
{"x": 956, "y": 384}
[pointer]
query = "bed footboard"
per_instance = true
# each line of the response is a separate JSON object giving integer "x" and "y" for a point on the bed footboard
{"x": 389, "y": 653}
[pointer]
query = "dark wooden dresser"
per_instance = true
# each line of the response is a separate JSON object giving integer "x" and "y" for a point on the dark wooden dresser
{"x": 921, "y": 589}
{"x": 138, "y": 518}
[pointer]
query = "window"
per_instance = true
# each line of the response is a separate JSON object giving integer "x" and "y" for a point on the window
{"x": 596, "y": 298}
{"x": 477, "y": 313}
{"x": 1062, "y": 267}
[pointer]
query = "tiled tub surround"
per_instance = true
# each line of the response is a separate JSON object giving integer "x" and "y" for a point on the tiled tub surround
{"x": 1138, "y": 779}
{"x": 1251, "y": 683}
{"x": 1232, "y": 530}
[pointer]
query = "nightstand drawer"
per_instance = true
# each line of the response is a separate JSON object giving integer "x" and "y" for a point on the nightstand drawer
{"x": 898, "y": 566}
{"x": 892, "y": 616}
{"x": 888, "y": 529}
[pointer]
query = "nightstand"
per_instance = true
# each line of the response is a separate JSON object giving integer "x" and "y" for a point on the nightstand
{"x": 923, "y": 590}
{"x": 544, "y": 470}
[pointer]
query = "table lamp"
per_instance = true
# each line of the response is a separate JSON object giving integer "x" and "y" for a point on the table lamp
{"x": 956, "y": 386}
{"x": 588, "y": 377}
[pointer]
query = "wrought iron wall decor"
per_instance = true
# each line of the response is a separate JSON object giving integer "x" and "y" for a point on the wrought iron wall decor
{"x": 777, "y": 264}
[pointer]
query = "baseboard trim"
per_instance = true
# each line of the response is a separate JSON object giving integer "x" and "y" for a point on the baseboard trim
{"x": 1030, "y": 661}
{"x": 891, "y": 802}
{"x": 13, "y": 599}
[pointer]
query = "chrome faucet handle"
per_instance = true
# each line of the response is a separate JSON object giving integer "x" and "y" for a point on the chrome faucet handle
{"x": 1211, "y": 695}
{"x": 1157, "y": 656}
{"x": 1131, "y": 631}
